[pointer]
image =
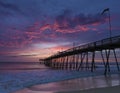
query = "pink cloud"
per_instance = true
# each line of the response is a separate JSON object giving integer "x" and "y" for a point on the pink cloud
{"x": 62, "y": 24}
{"x": 71, "y": 24}
{"x": 45, "y": 27}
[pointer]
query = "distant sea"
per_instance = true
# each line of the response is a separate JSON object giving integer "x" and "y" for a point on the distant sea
{"x": 21, "y": 66}
{"x": 18, "y": 75}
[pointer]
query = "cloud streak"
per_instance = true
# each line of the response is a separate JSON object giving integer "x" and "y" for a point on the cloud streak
{"x": 24, "y": 55}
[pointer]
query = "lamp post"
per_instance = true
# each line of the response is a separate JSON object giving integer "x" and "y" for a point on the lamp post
{"x": 109, "y": 20}
{"x": 110, "y": 24}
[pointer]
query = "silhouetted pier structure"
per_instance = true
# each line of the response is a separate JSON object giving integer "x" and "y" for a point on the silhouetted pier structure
{"x": 41, "y": 61}
{"x": 83, "y": 56}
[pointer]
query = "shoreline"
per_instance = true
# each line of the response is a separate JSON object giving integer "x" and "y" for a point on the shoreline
{"x": 112, "y": 89}
{"x": 78, "y": 85}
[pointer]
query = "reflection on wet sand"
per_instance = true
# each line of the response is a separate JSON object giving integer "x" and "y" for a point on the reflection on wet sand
{"x": 74, "y": 84}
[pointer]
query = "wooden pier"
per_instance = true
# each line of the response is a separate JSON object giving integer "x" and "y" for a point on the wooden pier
{"x": 83, "y": 57}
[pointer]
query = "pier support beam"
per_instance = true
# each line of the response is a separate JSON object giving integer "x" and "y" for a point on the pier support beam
{"x": 66, "y": 63}
{"x": 102, "y": 58}
{"x": 81, "y": 63}
{"x": 87, "y": 64}
{"x": 116, "y": 60}
{"x": 73, "y": 62}
{"x": 107, "y": 65}
{"x": 77, "y": 61}
{"x": 93, "y": 62}
{"x": 70, "y": 64}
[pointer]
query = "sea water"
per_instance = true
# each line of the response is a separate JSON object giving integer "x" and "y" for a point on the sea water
{"x": 15, "y": 75}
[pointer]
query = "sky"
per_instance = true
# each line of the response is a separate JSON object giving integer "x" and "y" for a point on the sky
{"x": 33, "y": 29}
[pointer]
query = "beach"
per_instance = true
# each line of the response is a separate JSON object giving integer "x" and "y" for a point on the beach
{"x": 115, "y": 89}
{"x": 96, "y": 84}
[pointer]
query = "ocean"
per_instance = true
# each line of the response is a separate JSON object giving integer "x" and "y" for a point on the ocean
{"x": 19, "y": 75}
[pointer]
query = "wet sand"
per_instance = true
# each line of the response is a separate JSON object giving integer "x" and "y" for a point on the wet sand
{"x": 98, "y": 84}
{"x": 114, "y": 89}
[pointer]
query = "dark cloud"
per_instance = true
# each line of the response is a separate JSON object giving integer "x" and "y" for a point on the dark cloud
{"x": 5, "y": 8}
{"x": 67, "y": 21}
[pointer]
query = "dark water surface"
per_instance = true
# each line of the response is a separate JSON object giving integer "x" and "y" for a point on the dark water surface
{"x": 16, "y": 76}
{"x": 21, "y": 66}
